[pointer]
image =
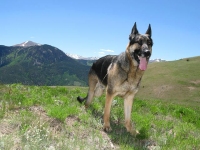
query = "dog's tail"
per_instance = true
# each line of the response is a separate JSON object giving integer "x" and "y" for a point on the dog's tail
{"x": 81, "y": 100}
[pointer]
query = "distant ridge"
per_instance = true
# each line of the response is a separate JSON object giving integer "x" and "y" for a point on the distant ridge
{"x": 28, "y": 44}
{"x": 74, "y": 56}
{"x": 77, "y": 57}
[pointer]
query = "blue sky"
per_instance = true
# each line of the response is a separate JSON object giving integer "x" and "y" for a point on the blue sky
{"x": 101, "y": 27}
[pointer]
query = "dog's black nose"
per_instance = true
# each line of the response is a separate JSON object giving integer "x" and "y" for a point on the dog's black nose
{"x": 147, "y": 53}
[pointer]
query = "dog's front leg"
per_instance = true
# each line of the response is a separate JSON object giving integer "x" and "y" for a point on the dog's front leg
{"x": 109, "y": 98}
{"x": 128, "y": 102}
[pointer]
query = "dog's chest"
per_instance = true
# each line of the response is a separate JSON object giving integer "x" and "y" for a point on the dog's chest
{"x": 127, "y": 87}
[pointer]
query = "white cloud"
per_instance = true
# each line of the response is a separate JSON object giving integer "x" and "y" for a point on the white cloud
{"x": 104, "y": 52}
{"x": 107, "y": 50}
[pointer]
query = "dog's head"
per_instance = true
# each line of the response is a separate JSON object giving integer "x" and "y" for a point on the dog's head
{"x": 140, "y": 47}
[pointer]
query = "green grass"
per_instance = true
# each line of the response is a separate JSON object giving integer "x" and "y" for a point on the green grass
{"x": 33, "y": 117}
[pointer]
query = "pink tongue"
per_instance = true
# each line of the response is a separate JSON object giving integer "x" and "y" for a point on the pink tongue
{"x": 143, "y": 63}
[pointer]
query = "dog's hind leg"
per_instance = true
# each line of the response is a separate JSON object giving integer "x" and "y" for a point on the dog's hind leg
{"x": 93, "y": 80}
{"x": 92, "y": 85}
{"x": 99, "y": 89}
{"x": 128, "y": 102}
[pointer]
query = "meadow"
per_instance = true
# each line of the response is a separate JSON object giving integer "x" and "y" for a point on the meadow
{"x": 39, "y": 117}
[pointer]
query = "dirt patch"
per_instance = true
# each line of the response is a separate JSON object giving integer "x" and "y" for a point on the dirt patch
{"x": 7, "y": 125}
{"x": 191, "y": 88}
{"x": 70, "y": 120}
{"x": 196, "y": 82}
{"x": 7, "y": 128}
{"x": 38, "y": 110}
{"x": 55, "y": 124}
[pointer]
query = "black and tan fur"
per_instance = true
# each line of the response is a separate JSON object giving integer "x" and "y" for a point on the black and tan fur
{"x": 120, "y": 75}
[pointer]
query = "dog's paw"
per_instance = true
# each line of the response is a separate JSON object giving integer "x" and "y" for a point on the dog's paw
{"x": 134, "y": 132}
{"x": 107, "y": 128}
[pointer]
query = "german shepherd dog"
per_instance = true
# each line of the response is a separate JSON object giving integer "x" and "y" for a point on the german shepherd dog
{"x": 120, "y": 75}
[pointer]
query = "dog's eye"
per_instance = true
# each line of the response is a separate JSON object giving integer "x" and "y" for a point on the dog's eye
{"x": 148, "y": 42}
{"x": 140, "y": 42}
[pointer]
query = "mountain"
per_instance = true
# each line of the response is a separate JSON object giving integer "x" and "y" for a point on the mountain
{"x": 27, "y": 44}
{"x": 40, "y": 65}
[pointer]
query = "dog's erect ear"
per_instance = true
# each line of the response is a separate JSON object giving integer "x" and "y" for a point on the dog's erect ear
{"x": 133, "y": 32}
{"x": 134, "y": 29}
{"x": 149, "y": 30}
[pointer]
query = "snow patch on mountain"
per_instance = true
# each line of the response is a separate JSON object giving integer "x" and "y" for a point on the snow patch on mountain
{"x": 28, "y": 44}
{"x": 74, "y": 56}
{"x": 156, "y": 60}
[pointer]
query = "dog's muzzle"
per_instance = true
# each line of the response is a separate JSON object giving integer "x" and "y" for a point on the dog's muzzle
{"x": 146, "y": 53}
{"x": 144, "y": 57}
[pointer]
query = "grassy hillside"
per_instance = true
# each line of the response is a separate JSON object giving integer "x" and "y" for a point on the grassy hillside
{"x": 165, "y": 112}
{"x": 175, "y": 81}
{"x": 33, "y": 117}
